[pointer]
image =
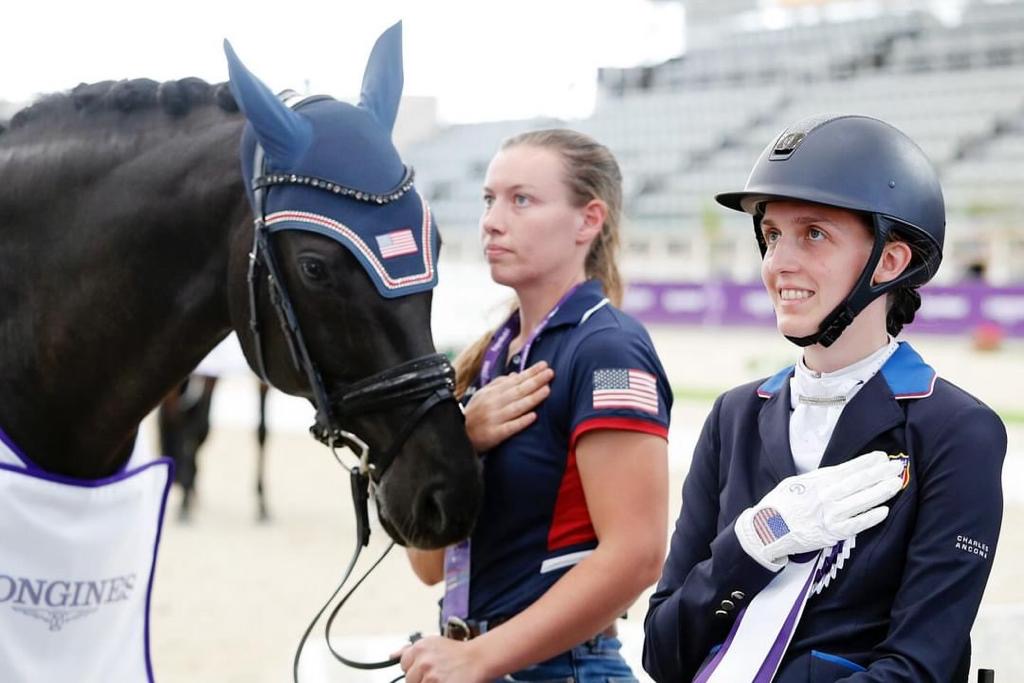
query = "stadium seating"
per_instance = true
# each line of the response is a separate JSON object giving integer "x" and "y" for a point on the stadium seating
{"x": 693, "y": 126}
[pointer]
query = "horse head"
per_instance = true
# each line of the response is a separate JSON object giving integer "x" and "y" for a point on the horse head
{"x": 333, "y": 301}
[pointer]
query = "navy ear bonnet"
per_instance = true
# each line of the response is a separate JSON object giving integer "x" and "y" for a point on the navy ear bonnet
{"x": 330, "y": 167}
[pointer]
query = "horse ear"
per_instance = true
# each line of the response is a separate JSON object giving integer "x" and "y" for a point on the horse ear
{"x": 284, "y": 134}
{"x": 383, "y": 78}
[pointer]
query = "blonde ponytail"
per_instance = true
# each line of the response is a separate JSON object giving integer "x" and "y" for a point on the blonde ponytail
{"x": 467, "y": 364}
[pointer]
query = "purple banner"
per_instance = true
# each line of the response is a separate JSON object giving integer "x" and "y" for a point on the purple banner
{"x": 944, "y": 309}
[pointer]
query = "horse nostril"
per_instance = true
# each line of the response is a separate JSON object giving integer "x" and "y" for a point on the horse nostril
{"x": 430, "y": 510}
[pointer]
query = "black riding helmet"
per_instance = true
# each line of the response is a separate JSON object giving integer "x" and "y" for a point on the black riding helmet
{"x": 861, "y": 164}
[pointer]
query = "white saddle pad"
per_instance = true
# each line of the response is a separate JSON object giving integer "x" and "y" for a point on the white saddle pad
{"x": 76, "y": 568}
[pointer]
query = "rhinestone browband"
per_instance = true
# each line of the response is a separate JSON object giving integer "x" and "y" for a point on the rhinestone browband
{"x": 360, "y": 195}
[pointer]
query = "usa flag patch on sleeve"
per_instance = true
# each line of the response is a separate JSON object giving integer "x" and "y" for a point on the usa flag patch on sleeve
{"x": 396, "y": 243}
{"x": 626, "y": 388}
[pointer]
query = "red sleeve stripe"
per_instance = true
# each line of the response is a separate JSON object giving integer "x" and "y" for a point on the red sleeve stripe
{"x": 570, "y": 521}
{"x": 628, "y": 424}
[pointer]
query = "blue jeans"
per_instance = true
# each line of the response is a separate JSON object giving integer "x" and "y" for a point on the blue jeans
{"x": 596, "y": 661}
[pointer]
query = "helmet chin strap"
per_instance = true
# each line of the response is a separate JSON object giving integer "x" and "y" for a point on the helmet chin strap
{"x": 863, "y": 292}
{"x": 831, "y": 327}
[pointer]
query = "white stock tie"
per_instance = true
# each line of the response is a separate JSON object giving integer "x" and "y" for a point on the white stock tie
{"x": 818, "y": 399}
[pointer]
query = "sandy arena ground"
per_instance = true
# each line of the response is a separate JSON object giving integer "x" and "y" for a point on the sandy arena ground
{"x": 232, "y": 596}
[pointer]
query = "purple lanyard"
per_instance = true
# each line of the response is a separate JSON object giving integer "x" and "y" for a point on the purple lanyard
{"x": 502, "y": 336}
{"x": 455, "y": 604}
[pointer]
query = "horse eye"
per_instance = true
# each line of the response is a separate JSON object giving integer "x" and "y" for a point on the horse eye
{"x": 313, "y": 269}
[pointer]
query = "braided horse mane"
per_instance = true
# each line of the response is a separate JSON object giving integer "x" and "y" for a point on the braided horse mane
{"x": 175, "y": 98}
{"x": 98, "y": 181}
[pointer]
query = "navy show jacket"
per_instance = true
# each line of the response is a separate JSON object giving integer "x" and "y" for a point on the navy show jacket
{"x": 902, "y": 607}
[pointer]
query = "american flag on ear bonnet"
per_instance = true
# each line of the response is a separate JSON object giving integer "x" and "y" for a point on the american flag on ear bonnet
{"x": 335, "y": 171}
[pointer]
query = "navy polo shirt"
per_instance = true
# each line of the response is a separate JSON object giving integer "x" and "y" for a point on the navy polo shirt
{"x": 534, "y": 525}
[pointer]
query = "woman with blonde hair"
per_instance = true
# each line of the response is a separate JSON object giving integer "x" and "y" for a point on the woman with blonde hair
{"x": 568, "y": 405}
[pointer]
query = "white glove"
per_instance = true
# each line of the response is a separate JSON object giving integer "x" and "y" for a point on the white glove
{"x": 818, "y": 509}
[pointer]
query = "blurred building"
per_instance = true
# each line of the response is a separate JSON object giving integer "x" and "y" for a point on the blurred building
{"x": 417, "y": 121}
{"x": 8, "y": 109}
{"x": 950, "y": 74}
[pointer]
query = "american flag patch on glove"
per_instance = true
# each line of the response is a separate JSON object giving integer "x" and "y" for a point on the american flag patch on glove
{"x": 769, "y": 525}
{"x": 626, "y": 388}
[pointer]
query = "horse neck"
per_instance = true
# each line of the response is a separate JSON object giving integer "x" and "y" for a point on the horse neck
{"x": 115, "y": 288}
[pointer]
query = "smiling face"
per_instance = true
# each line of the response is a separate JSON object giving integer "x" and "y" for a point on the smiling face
{"x": 814, "y": 256}
{"x": 531, "y": 231}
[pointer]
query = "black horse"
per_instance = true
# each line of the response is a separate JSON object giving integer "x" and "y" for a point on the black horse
{"x": 183, "y": 422}
{"x": 127, "y": 252}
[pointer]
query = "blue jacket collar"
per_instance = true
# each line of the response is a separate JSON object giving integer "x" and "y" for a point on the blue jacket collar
{"x": 906, "y": 373}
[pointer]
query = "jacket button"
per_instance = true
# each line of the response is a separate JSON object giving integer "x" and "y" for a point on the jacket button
{"x": 720, "y": 613}
{"x": 738, "y": 595}
{"x": 728, "y": 605}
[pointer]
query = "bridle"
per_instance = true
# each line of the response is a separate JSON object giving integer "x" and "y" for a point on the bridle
{"x": 425, "y": 381}
{"x": 428, "y": 379}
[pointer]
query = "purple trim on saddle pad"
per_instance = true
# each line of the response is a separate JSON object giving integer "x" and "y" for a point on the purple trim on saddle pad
{"x": 34, "y": 470}
{"x": 18, "y": 453}
{"x": 156, "y": 547}
{"x": 32, "y": 466}
{"x": 167, "y": 465}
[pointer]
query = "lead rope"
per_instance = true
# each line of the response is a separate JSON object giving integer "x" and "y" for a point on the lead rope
{"x": 360, "y": 484}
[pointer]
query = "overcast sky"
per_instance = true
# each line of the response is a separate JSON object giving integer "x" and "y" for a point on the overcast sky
{"x": 482, "y": 59}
